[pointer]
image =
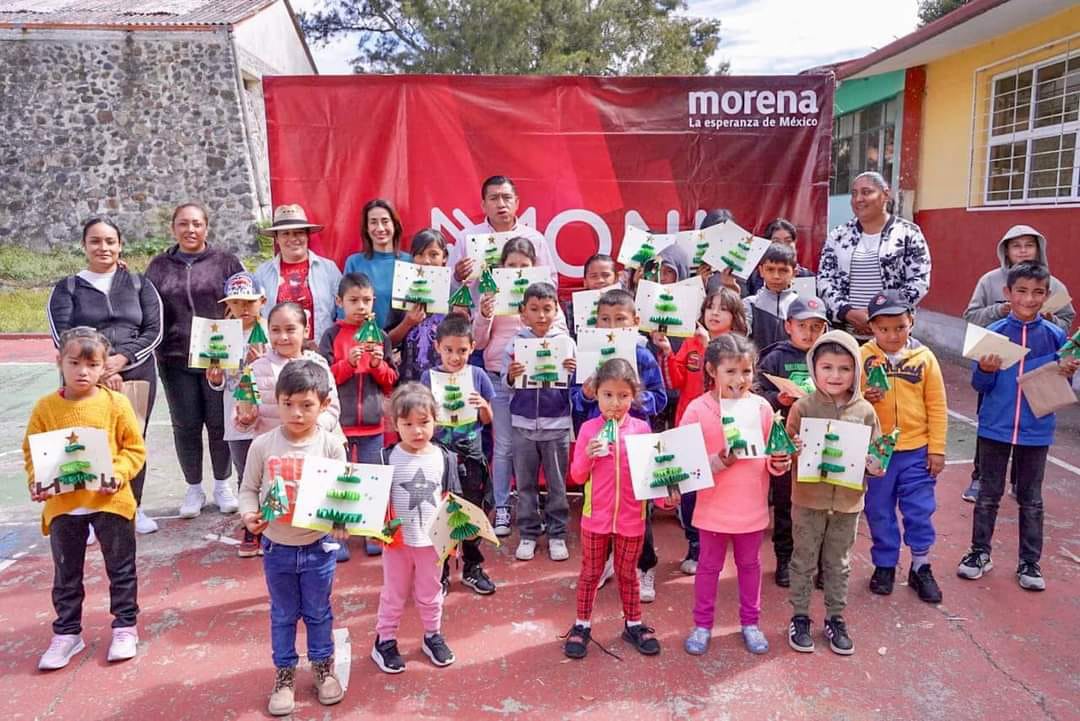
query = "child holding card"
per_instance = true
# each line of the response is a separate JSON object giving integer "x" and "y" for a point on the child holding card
{"x": 599, "y": 272}
{"x": 68, "y": 517}
{"x": 540, "y": 431}
{"x": 613, "y": 519}
{"x": 825, "y": 517}
{"x": 298, "y": 563}
{"x": 736, "y": 509}
{"x": 423, "y": 472}
{"x": 415, "y": 334}
{"x": 454, "y": 343}
{"x": 1007, "y": 426}
{"x": 766, "y": 310}
{"x": 781, "y": 231}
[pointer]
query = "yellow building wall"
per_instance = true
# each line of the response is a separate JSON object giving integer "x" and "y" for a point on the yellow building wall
{"x": 945, "y": 151}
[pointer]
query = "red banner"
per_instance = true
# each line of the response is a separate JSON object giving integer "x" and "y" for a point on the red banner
{"x": 587, "y": 153}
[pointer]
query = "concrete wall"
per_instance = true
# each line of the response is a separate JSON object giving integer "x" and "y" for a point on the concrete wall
{"x": 126, "y": 124}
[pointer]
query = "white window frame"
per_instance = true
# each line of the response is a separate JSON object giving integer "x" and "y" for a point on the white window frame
{"x": 897, "y": 127}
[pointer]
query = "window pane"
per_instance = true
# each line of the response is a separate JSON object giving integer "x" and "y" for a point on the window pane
{"x": 1052, "y": 162}
{"x": 1050, "y": 95}
{"x": 871, "y": 116}
{"x": 842, "y": 181}
{"x": 1012, "y": 103}
{"x": 872, "y": 150}
{"x": 887, "y": 161}
{"x": 846, "y": 125}
{"x": 1006, "y": 177}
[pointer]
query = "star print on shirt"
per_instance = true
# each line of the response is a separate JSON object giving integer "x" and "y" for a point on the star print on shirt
{"x": 421, "y": 491}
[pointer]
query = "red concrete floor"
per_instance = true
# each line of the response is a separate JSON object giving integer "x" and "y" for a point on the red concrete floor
{"x": 991, "y": 650}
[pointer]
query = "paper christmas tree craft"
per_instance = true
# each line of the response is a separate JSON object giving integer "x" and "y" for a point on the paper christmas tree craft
{"x": 737, "y": 256}
{"x": 216, "y": 349}
{"x": 419, "y": 291}
{"x": 1072, "y": 347}
{"x": 461, "y": 526}
{"x": 492, "y": 251}
{"x": 545, "y": 372}
{"x": 487, "y": 282}
{"x": 802, "y": 380}
{"x": 881, "y": 450}
{"x": 779, "y": 442}
{"x": 665, "y": 312}
{"x": 75, "y": 473}
{"x": 521, "y": 284}
{"x": 831, "y": 454}
{"x": 246, "y": 389}
{"x": 453, "y": 400}
{"x": 462, "y": 298}
{"x": 276, "y": 503}
{"x": 609, "y": 432}
{"x": 699, "y": 252}
{"x": 645, "y": 252}
{"x": 665, "y": 473}
{"x": 735, "y": 442}
{"x": 343, "y": 489}
{"x": 257, "y": 335}
{"x": 369, "y": 332}
{"x": 878, "y": 378}
{"x": 390, "y": 527}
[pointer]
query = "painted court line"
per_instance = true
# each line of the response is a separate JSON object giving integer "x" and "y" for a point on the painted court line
{"x": 224, "y": 539}
{"x": 1056, "y": 461}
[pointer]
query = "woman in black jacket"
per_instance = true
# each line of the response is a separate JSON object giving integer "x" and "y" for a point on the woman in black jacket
{"x": 123, "y": 306}
{"x": 190, "y": 276}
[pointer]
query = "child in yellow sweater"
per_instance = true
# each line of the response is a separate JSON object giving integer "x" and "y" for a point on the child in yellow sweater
{"x": 68, "y": 517}
{"x": 914, "y": 403}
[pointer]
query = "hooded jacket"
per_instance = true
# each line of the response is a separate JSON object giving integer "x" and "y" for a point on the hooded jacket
{"x": 826, "y": 496}
{"x": 765, "y": 314}
{"x": 361, "y": 388}
{"x": 987, "y": 301}
{"x": 915, "y": 402}
{"x": 782, "y": 360}
{"x": 610, "y": 506}
{"x": 651, "y": 402}
{"x": 539, "y": 409}
{"x": 1005, "y": 415}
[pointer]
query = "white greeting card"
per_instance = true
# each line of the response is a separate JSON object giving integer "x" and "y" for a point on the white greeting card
{"x": 640, "y": 246}
{"x": 1056, "y": 302}
{"x": 512, "y": 283}
{"x": 485, "y": 249}
{"x": 452, "y": 391}
{"x": 679, "y": 451}
{"x": 735, "y": 248}
{"x": 597, "y": 345}
{"x": 673, "y": 309}
{"x": 979, "y": 342}
{"x": 71, "y": 459}
{"x": 426, "y": 285}
{"x": 806, "y": 286}
{"x": 745, "y": 430}
{"x": 696, "y": 243}
{"x": 439, "y": 529}
{"x": 216, "y": 342}
{"x": 585, "y": 306}
{"x": 336, "y": 493}
{"x": 841, "y": 444}
{"x": 543, "y": 359}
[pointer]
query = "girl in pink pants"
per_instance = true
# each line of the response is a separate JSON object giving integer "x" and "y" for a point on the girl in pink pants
{"x": 736, "y": 508}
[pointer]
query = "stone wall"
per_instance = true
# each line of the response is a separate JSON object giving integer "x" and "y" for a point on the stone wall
{"x": 126, "y": 124}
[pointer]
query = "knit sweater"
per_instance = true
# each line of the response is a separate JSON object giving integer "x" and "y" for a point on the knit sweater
{"x": 916, "y": 392}
{"x": 105, "y": 409}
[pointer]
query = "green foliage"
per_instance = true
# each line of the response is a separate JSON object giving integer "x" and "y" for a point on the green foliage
{"x": 931, "y": 10}
{"x": 515, "y": 37}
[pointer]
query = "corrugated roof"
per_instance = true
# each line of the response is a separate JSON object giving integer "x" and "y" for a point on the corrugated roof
{"x": 110, "y": 13}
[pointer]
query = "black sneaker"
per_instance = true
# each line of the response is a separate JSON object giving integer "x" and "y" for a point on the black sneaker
{"x": 783, "y": 573}
{"x": 799, "y": 637}
{"x": 577, "y": 641}
{"x": 386, "y": 657}
{"x": 1029, "y": 576}
{"x": 882, "y": 581}
{"x": 924, "y": 583}
{"x": 437, "y": 650}
{"x": 641, "y": 637}
{"x": 974, "y": 565}
{"x": 445, "y": 583}
{"x": 836, "y": 632}
{"x": 477, "y": 580}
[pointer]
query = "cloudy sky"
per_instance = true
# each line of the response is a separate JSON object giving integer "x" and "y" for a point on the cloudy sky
{"x": 758, "y": 37}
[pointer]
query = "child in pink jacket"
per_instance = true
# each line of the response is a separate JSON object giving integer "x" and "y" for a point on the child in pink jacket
{"x": 736, "y": 508}
{"x": 612, "y": 516}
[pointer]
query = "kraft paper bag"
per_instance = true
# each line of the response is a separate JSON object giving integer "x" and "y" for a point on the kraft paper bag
{"x": 138, "y": 392}
{"x": 1046, "y": 390}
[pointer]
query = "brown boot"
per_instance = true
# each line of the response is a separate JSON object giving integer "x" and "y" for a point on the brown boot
{"x": 326, "y": 682}
{"x": 282, "y": 701}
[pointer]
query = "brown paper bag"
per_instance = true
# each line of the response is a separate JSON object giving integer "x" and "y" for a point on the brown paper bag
{"x": 1046, "y": 390}
{"x": 138, "y": 392}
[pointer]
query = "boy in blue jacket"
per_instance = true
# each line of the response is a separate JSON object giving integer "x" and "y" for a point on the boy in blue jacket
{"x": 1007, "y": 426}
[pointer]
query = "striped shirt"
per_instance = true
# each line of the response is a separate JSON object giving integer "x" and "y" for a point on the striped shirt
{"x": 865, "y": 273}
{"x": 416, "y": 491}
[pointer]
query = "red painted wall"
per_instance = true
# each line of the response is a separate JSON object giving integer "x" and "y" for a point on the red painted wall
{"x": 963, "y": 242}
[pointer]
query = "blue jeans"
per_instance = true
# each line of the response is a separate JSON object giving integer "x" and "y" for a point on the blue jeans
{"x": 502, "y": 465}
{"x": 907, "y": 485}
{"x": 366, "y": 449}
{"x": 299, "y": 579}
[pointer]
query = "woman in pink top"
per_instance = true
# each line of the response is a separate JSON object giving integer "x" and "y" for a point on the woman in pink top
{"x": 611, "y": 516}
{"x": 736, "y": 508}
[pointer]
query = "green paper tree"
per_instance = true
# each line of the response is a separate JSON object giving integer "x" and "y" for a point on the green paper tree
{"x": 369, "y": 332}
{"x": 419, "y": 291}
{"x": 779, "y": 442}
{"x": 517, "y": 290}
{"x": 1071, "y": 348}
{"x": 665, "y": 473}
{"x": 609, "y": 432}
{"x": 461, "y": 526}
{"x": 645, "y": 253}
{"x": 664, "y": 312}
{"x": 343, "y": 490}
{"x": 276, "y": 503}
{"x": 878, "y": 378}
{"x": 699, "y": 254}
{"x": 735, "y": 441}
{"x": 591, "y": 320}
{"x": 257, "y": 335}
{"x": 802, "y": 379}
{"x": 246, "y": 389}
{"x": 76, "y": 472}
{"x": 831, "y": 455}
{"x": 736, "y": 257}
{"x": 545, "y": 372}
{"x": 492, "y": 252}
{"x": 487, "y": 282}
{"x": 453, "y": 400}
{"x": 462, "y": 298}
{"x": 390, "y": 527}
{"x": 216, "y": 349}
{"x": 882, "y": 448}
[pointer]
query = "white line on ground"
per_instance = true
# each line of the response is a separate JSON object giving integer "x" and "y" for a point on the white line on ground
{"x": 6, "y": 563}
{"x": 1056, "y": 461}
{"x": 959, "y": 461}
{"x": 224, "y": 539}
{"x": 342, "y": 656}
{"x": 27, "y": 363}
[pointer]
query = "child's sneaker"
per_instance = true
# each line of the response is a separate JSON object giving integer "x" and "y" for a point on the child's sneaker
{"x": 372, "y": 548}
{"x": 882, "y": 581}
{"x": 974, "y": 565}
{"x": 836, "y": 632}
{"x": 342, "y": 553}
{"x": 697, "y": 643}
{"x": 608, "y": 573}
{"x": 755, "y": 640}
{"x": 436, "y": 649}
{"x": 444, "y": 582}
{"x": 924, "y": 583}
{"x": 475, "y": 578}
{"x": 502, "y": 521}
{"x": 125, "y": 644}
{"x": 647, "y": 585}
{"x": 61, "y": 650}
{"x": 386, "y": 657}
{"x": 249, "y": 546}
{"x": 327, "y": 685}
{"x": 194, "y": 500}
{"x": 688, "y": 566}
{"x": 144, "y": 524}
{"x": 641, "y": 637}
{"x": 557, "y": 549}
{"x": 526, "y": 549}
{"x": 1030, "y": 577}
{"x": 282, "y": 698}
{"x": 224, "y": 497}
{"x": 971, "y": 493}
{"x": 799, "y": 637}
{"x": 577, "y": 641}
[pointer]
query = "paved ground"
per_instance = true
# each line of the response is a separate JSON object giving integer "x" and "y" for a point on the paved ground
{"x": 990, "y": 650}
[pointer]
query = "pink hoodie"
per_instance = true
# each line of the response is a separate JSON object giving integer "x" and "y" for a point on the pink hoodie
{"x": 610, "y": 506}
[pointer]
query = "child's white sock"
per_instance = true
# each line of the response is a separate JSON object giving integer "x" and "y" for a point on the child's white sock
{"x": 918, "y": 562}
{"x": 429, "y": 634}
{"x": 583, "y": 624}
{"x": 633, "y": 623}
